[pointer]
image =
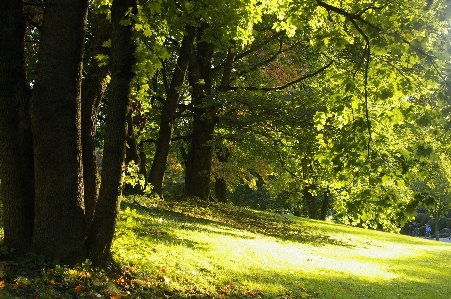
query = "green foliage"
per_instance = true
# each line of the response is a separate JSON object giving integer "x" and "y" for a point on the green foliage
{"x": 134, "y": 178}
{"x": 363, "y": 127}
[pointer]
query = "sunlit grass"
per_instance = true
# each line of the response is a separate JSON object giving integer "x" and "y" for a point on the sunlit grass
{"x": 221, "y": 252}
{"x": 208, "y": 250}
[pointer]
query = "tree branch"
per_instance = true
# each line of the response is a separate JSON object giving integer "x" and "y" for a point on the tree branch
{"x": 309, "y": 75}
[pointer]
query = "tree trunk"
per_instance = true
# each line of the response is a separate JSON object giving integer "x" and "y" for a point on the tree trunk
{"x": 437, "y": 216}
{"x": 200, "y": 153}
{"x": 325, "y": 205}
{"x": 142, "y": 159}
{"x": 221, "y": 189}
{"x": 156, "y": 175}
{"x": 437, "y": 230}
{"x": 16, "y": 146}
{"x": 107, "y": 208}
{"x": 59, "y": 225}
{"x": 131, "y": 154}
{"x": 220, "y": 182}
{"x": 312, "y": 202}
{"x": 198, "y": 170}
{"x": 93, "y": 87}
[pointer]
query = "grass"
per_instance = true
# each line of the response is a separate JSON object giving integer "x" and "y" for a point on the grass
{"x": 209, "y": 250}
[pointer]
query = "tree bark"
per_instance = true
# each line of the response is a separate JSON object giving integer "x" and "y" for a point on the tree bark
{"x": 131, "y": 154}
{"x": 156, "y": 174}
{"x": 312, "y": 202}
{"x": 93, "y": 87}
{"x": 200, "y": 153}
{"x": 325, "y": 205}
{"x": 220, "y": 182}
{"x": 16, "y": 141}
{"x": 122, "y": 59}
{"x": 221, "y": 189}
{"x": 59, "y": 225}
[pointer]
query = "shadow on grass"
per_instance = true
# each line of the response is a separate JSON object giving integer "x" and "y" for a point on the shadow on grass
{"x": 204, "y": 215}
{"x": 166, "y": 224}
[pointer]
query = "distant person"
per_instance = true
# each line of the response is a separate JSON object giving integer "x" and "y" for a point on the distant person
{"x": 428, "y": 231}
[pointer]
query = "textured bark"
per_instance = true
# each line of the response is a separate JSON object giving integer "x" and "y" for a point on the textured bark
{"x": 200, "y": 158}
{"x": 93, "y": 87}
{"x": 122, "y": 49}
{"x": 59, "y": 226}
{"x": 16, "y": 143}
{"x": 156, "y": 174}
{"x": 200, "y": 154}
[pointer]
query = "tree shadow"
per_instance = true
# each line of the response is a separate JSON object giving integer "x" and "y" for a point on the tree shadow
{"x": 229, "y": 220}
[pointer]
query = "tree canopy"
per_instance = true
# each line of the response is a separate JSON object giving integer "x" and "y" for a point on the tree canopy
{"x": 336, "y": 108}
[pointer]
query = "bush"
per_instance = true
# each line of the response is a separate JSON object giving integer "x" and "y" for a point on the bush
{"x": 422, "y": 219}
{"x": 422, "y": 231}
{"x": 446, "y": 232}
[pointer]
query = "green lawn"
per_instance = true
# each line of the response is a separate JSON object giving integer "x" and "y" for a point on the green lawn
{"x": 188, "y": 250}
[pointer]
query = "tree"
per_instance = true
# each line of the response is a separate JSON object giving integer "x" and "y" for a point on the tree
{"x": 42, "y": 185}
{"x": 360, "y": 66}
{"x": 55, "y": 119}
{"x": 93, "y": 88}
{"x": 16, "y": 144}
{"x": 435, "y": 194}
{"x": 107, "y": 208}
{"x": 168, "y": 113}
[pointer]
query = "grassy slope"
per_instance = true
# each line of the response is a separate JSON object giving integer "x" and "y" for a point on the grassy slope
{"x": 221, "y": 250}
{"x": 192, "y": 250}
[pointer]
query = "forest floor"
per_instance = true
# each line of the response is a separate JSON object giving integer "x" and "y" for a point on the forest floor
{"x": 208, "y": 250}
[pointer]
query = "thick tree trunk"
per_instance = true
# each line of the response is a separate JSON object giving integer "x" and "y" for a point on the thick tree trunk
{"x": 200, "y": 158}
{"x": 107, "y": 208}
{"x": 93, "y": 87}
{"x": 325, "y": 205}
{"x": 312, "y": 202}
{"x": 59, "y": 225}
{"x": 16, "y": 142}
{"x": 200, "y": 153}
{"x": 156, "y": 175}
{"x": 221, "y": 189}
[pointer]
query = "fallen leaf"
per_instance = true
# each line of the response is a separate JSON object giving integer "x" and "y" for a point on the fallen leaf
{"x": 302, "y": 288}
{"x": 132, "y": 268}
